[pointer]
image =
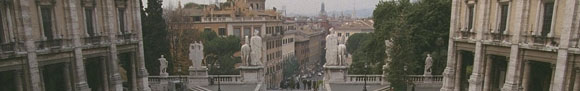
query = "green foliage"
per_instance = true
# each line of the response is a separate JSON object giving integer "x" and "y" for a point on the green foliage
{"x": 155, "y": 42}
{"x": 355, "y": 41}
{"x": 290, "y": 66}
{"x": 416, "y": 29}
{"x": 220, "y": 50}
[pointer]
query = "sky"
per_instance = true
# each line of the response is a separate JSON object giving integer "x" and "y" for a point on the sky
{"x": 301, "y": 7}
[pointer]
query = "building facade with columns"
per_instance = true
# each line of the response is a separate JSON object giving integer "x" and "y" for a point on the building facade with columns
{"x": 513, "y": 45}
{"x": 71, "y": 45}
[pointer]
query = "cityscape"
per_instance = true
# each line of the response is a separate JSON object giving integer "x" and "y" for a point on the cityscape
{"x": 289, "y": 45}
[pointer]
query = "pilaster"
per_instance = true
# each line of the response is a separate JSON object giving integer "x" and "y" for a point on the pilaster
{"x": 513, "y": 75}
{"x": 110, "y": 24}
{"x": 72, "y": 23}
{"x": 476, "y": 78}
{"x": 30, "y": 65}
{"x": 562, "y": 61}
{"x": 448, "y": 73}
{"x": 142, "y": 75}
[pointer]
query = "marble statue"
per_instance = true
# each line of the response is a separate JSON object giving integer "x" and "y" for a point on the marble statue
{"x": 256, "y": 47}
{"x": 428, "y": 65}
{"x": 246, "y": 52}
{"x": 331, "y": 48}
{"x": 388, "y": 45}
{"x": 342, "y": 54}
{"x": 162, "y": 65}
{"x": 196, "y": 54}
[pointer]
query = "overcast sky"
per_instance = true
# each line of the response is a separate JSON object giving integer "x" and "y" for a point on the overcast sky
{"x": 303, "y": 7}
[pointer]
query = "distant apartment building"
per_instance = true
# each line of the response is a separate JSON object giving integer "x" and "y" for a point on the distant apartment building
{"x": 513, "y": 45}
{"x": 71, "y": 45}
{"x": 347, "y": 29}
{"x": 309, "y": 44}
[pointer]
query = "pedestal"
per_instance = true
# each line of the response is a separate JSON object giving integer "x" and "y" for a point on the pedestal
{"x": 252, "y": 74}
{"x": 385, "y": 74}
{"x": 335, "y": 73}
{"x": 427, "y": 78}
{"x": 198, "y": 77}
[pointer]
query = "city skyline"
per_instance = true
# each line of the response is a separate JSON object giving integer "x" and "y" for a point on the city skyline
{"x": 303, "y": 7}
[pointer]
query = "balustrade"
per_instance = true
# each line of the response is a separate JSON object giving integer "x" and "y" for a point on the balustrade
{"x": 54, "y": 43}
{"x": 11, "y": 47}
{"x": 362, "y": 78}
{"x": 94, "y": 40}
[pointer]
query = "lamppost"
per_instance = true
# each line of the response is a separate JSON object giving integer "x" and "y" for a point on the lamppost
{"x": 179, "y": 74}
{"x": 365, "y": 77}
{"x": 217, "y": 65}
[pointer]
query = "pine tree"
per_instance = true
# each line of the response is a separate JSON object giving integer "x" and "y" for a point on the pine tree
{"x": 155, "y": 41}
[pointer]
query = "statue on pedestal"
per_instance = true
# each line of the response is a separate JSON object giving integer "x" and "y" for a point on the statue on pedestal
{"x": 162, "y": 65}
{"x": 331, "y": 48}
{"x": 256, "y": 47}
{"x": 196, "y": 54}
{"x": 428, "y": 65}
{"x": 246, "y": 50}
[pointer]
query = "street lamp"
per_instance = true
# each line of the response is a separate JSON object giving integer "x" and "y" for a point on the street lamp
{"x": 217, "y": 65}
{"x": 365, "y": 77}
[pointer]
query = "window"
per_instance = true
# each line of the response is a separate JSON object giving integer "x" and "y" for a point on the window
{"x": 89, "y": 21}
{"x": 258, "y": 29}
{"x": 347, "y": 34}
{"x": 46, "y": 12}
{"x": 547, "y": 21}
{"x": 222, "y": 31}
{"x": 121, "y": 12}
{"x": 237, "y": 32}
{"x": 339, "y": 34}
{"x": 1, "y": 27}
{"x": 247, "y": 32}
{"x": 470, "y": 22}
{"x": 503, "y": 19}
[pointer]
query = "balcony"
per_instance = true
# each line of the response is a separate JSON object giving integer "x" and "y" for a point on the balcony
{"x": 94, "y": 40}
{"x": 127, "y": 38}
{"x": 53, "y": 44}
{"x": 11, "y": 47}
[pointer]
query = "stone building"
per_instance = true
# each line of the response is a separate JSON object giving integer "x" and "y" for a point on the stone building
{"x": 357, "y": 26}
{"x": 71, "y": 45}
{"x": 513, "y": 45}
{"x": 309, "y": 45}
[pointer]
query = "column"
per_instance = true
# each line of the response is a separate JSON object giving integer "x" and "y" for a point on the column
{"x": 459, "y": 67}
{"x": 78, "y": 63}
{"x": 67, "y": 78}
{"x": 488, "y": 73}
{"x": 18, "y": 80}
{"x": 577, "y": 81}
{"x": 114, "y": 76}
{"x": 526, "y": 78}
{"x": 30, "y": 64}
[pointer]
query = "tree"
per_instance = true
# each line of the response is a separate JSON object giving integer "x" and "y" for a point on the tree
{"x": 355, "y": 41}
{"x": 416, "y": 29}
{"x": 221, "y": 50}
{"x": 155, "y": 40}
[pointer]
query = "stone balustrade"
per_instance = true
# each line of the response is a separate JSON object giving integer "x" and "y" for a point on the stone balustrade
{"x": 226, "y": 79}
{"x": 11, "y": 47}
{"x": 425, "y": 78}
{"x": 361, "y": 78}
{"x": 159, "y": 79}
{"x": 238, "y": 19}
